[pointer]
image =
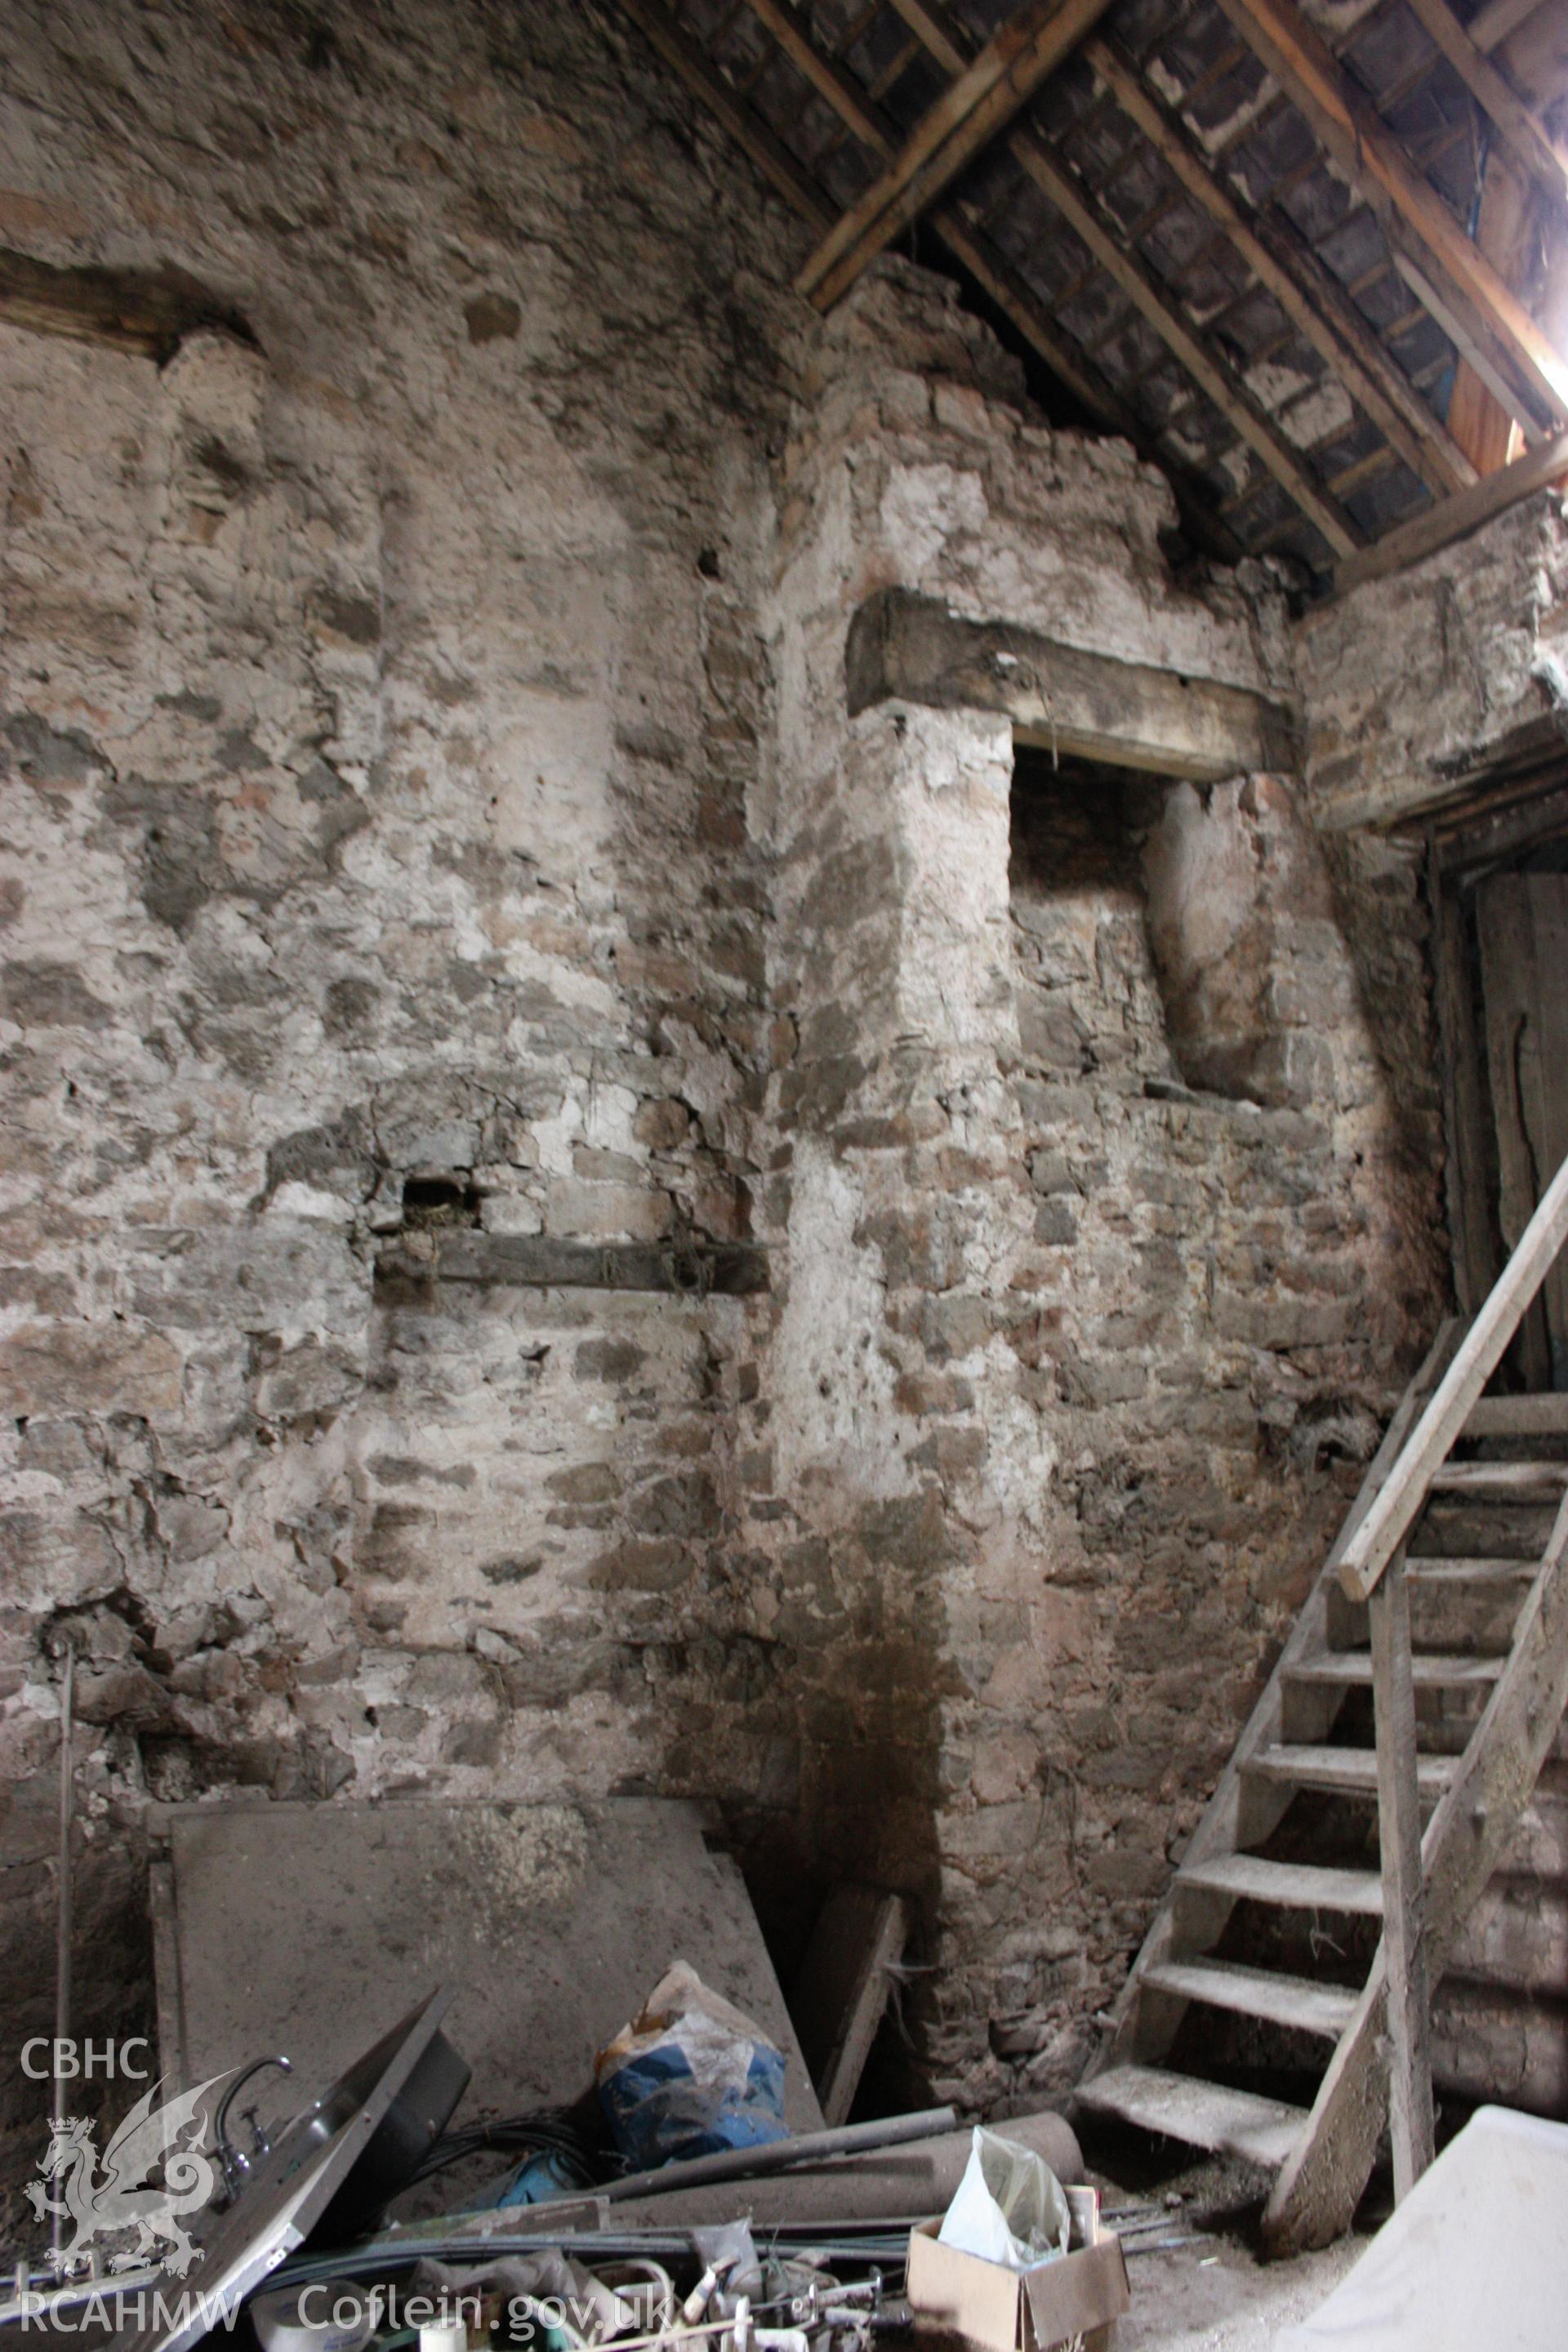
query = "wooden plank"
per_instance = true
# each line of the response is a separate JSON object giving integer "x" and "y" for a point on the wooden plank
{"x": 1204, "y": 2114}
{"x": 742, "y": 122}
{"x": 907, "y": 647}
{"x": 1494, "y": 328}
{"x": 1464, "y": 1101}
{"x": 538, "y": 1262}
{"x": 1457, "y": 517}
{"x": 964, "y": 119}
{"x": 1472, "y": 839}
{"x": 1345, "y": 1772}
{"x": 1293, "y": 2002}
{"x": 1519, "y": 1416}
{"x": 147, "y": 313}
{"x": 1333, "y": 328}
{"x": 1321, "y": 2184}
{"x": 1511, "y": 986}
{"x": 842, "y": 1987}
{"x": 1525, "y": 139}
{"x": 1547, "y": 896}
{"x": 1389, "y": 1520}
{"x": 1432, "y": 1670}
{"x": 1410, "y": 2117}
{"x": 1507, "y": 1481}
{"x": 1111, "y": 249}
{"x": 1492, "y": 24}
{"x": 1287, "y": 1886}
{"x": 174, "y": 2064}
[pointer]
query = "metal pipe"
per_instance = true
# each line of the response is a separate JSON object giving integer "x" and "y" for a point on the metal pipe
{"x": 774, "y": 2156}
{"x": 63, "y": 1907}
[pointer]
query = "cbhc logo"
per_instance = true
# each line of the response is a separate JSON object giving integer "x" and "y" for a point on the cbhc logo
{"x": 69, "y": 2062}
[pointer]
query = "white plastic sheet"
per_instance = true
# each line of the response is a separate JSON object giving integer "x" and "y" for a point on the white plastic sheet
{"x": 1009, "y": 2207}
{"x": 1475, "y": 2259}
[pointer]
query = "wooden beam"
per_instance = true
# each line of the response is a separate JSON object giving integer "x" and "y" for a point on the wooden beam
{"x": 1526, "y": 139}
{"x": 1390, "y": 1519}
{"x": 1489, "y": 320}
{"x": 964, "y": 119}
{"x": 1410, "y": 2119}
{"x": 1335, "y": 330}
{"x": 743, "y": 123}
{"x": 145, "y": 312}
{"x": 1464, "y": 1115}
{"x": 1492, "y": 24}
{"x": 539, "y": 1262}
{"x": 990, "y": 268}
{"x": 1454, "y": 519}
{"x": 910, "y": 648}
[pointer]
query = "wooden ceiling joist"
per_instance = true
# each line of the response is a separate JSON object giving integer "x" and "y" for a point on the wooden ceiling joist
{"x": 1463, "y": 290}
{"x": 1336, "y": 333}
{"x": 967, "y": 116}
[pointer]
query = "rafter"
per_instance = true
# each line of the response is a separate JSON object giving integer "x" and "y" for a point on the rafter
{"x": 1460, "y": 287}
{"x": 964, "y": 119}
{"x": 1350, "y": 347}
{"x": 945, "y": 37}
{"x": 1525, "y": 138}
{"x": 1458, "y": 517}
{"x": 742, "y": 122}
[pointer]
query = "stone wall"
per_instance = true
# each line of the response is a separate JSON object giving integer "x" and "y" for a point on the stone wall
{"x": 1111, "y": 1209}
{"x": 1441, "y": 677}
{"x": 381, "y": 705}
{"x": 430, "y": 799}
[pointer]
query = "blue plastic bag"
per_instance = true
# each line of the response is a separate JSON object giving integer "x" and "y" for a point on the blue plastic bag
{"x": 689, "y": 2075}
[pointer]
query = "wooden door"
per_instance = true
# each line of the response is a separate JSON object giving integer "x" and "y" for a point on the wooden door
{"x": 1523, "y": 925}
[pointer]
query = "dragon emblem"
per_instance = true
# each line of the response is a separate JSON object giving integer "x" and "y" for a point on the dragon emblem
{"x": 99, "y": 2205}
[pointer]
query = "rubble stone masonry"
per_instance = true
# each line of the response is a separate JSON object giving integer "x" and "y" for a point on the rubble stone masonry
{"x": 429, "y": 799}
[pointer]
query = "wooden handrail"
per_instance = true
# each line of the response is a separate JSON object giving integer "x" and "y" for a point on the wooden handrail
{"x": 1431, "y": 1441}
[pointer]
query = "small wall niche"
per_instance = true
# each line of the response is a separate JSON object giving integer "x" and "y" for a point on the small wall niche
{"x": 1142, "y": 923}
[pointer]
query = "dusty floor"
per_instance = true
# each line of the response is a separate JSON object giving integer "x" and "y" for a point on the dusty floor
{"x": 1221, "y": 2298}
{"x": 1213, "y": 2293}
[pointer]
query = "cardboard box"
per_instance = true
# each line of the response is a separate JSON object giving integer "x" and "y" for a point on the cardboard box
{"x": 1082, "y": 2293}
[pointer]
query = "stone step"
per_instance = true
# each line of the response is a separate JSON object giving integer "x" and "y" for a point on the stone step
{"x": 1290, "y": 1886}
{"x": 1345, "y": 1772}
{"x": 1431, "y": 1668}
{"x": 1204, "y": 2114}
{"x": 1293, "y": 2001}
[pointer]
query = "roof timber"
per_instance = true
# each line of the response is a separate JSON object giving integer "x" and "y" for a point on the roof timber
{"x": 1243, "y": 316}
{"x": 1331, "y": 326}
{"x": 1463, "y": 290}
{"x": 964, "y": 119}
{"x": 1112, "y": 249}
{"x": 1525, "y": 137}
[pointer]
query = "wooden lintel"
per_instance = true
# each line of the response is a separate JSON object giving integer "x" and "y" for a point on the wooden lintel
{"x": 145, "y": 312}
{"x": 967, "y": 116}
{"x": 538, "y": 1262}
{"x": 1456, "y": 518}
{"x": 1494, "y": 329}
{"x": 910, "y": 648}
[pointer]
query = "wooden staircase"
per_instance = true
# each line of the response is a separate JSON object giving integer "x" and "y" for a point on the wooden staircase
{"x": 1440, "y": 1626}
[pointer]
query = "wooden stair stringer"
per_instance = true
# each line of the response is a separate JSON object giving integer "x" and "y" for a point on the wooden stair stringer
{"x": 1321, "y": 2183}
{"x": 1219, "y": 1830}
